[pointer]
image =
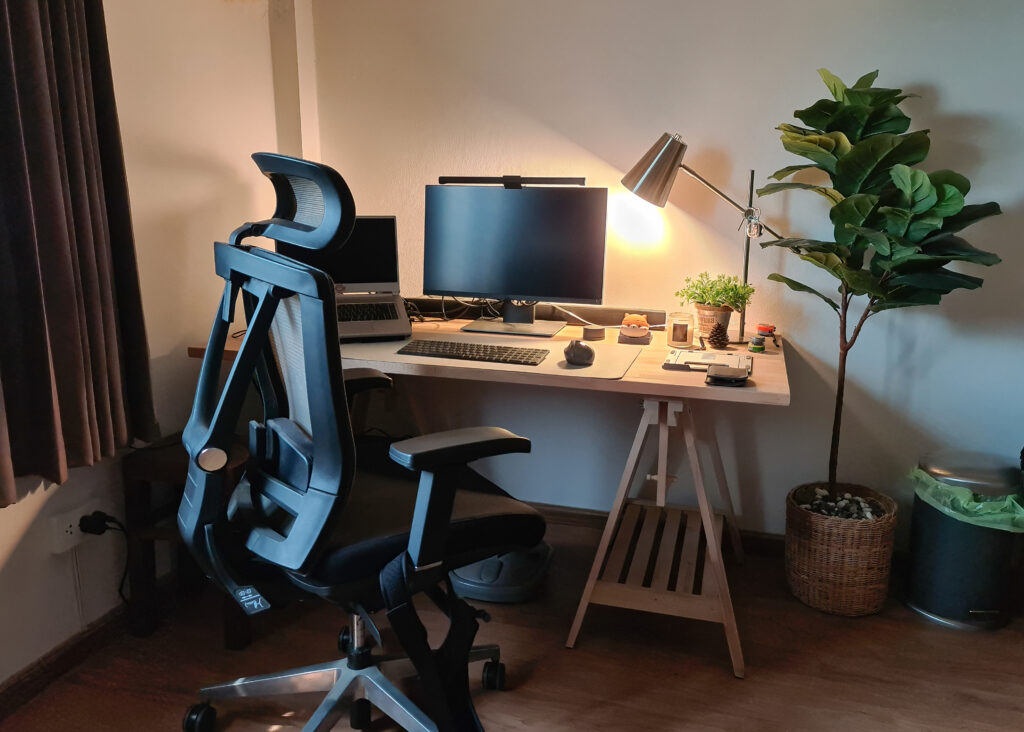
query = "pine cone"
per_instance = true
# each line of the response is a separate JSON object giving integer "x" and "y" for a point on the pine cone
{"x": 718, "y": 337}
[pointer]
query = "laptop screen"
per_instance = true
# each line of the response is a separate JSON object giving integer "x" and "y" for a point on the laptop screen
{"x": 368, "y": 261}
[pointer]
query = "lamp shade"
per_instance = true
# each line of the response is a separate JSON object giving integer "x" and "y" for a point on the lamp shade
{"x": 653, "y": 176}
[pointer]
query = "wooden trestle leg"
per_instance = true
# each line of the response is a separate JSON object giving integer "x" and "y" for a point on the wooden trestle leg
{"x": 634, "y": 568}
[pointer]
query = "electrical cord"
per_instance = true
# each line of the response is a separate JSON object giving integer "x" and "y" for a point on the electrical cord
{"x": 98, "y": 523}
{"x": 587, "y": 322}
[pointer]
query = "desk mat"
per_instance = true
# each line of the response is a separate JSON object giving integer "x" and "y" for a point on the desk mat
{"x": 612, "y": 360}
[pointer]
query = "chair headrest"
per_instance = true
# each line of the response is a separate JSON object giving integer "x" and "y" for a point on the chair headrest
{"x": 314, "y": 210}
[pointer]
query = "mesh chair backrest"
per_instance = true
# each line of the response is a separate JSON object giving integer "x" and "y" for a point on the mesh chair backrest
{"x": 302, "y": 453}
{"x": 286, "y": 337}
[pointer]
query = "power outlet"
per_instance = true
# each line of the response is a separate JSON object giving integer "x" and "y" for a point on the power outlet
{"x": 64, "y": 532}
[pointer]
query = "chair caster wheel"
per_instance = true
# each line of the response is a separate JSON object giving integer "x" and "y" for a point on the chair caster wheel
{"x": 200, "y": 718}
{"x": 494, "y": 676}
{"x": 359, "y": 714}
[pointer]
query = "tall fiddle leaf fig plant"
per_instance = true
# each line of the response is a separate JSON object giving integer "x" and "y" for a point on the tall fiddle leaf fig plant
{"x": 895, "y": 226}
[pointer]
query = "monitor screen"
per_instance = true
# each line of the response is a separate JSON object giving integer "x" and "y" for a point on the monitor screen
{"x": 368, "y": 257}
{"x": 542, "y": 243}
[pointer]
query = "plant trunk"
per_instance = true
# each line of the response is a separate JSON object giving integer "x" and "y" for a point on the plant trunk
{"x": 837, "y": 421}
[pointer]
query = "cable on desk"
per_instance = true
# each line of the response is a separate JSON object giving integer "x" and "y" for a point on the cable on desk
{"x": 597, "y": 325}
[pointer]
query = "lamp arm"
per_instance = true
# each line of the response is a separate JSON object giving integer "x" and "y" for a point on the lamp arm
{"x": 721, "y": 194}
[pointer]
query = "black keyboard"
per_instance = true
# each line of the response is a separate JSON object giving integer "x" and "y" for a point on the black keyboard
{"x": 348, "y": 312}
{"x": 474, "y": 351}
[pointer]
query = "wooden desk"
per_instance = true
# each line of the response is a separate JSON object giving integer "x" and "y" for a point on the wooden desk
{"x": 648, "y": 557}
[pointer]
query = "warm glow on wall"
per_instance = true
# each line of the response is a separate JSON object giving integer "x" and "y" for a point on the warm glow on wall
{"x": 637, "y": 224}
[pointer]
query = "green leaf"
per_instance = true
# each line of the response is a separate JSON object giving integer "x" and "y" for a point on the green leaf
{"x": 875, "y": 96}
{"x": 818, "y": 114}
{"x": 912, "y": 149}
{"x": 950, "y": 203}
{"x": 800, "y": 287}
{"x": 876, "y": 239}
{"x": 967, "y": 216}
{"x": 854, "y": 168}
{"x": 952, "y": 178}
{"x": 830, "y": 193}
{"x": 919, "y": 194}
{"x": 853, "y": 210}
{"x": 808, "y": 245}
{"x": 953, "y": 247}
{"x": 850, "y": 121}
{"x": 906, "y": 297}
{"x": 895, "y": 220}
{"x": 789, "y": 170}
{"x": 886, "y": 119}
{"x": 822, "y": 149}
{"x": 866, "y": 81}
{"x": 786, "y": 127}
{"x": 834, "y": 84}
{"x": 861, "y": 282}
{"x": 923, "y": 226}
{"x": 827, "y": 261}
{"x": 940, "y": 280}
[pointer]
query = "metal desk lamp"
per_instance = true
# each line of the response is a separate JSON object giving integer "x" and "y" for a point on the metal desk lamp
{"x": 652, "y": 178}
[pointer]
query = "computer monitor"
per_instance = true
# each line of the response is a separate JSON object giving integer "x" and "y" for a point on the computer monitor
{"x": 367, "y": 261}
{"x": 515, "y": 244}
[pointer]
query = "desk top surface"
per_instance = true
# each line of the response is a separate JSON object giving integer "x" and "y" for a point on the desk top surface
{"x": 768, "y": 383}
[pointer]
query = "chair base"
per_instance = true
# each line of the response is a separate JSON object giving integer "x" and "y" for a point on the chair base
{"x": 344, "y": 684}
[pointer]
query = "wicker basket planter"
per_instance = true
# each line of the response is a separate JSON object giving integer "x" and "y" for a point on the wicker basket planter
{"x": 838, "y": 565}
{"x": 709, "y": 315}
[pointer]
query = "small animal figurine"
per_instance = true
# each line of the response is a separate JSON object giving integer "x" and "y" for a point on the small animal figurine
{"x": 635, "y": 329}
{"x": 635, "y": 326}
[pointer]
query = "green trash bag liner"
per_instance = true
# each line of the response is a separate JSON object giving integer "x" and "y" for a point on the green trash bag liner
{"x": 1001, "y": 512}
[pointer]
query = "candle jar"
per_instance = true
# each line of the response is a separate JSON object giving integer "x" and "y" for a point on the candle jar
{"x": 680, "y": 330}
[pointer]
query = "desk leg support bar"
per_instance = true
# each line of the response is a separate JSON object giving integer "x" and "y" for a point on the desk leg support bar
{"x": 714, "y": 544}
{"x": 650, "y": 417}
{"x": 621, "y": 575}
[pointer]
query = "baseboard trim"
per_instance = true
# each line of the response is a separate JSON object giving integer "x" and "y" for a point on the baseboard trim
{"x": 21, "y": 688}
{"x": 754, "y": 542}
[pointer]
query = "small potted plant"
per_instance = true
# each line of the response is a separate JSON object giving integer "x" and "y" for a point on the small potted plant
{"x": 715, "y": 299}
{"x": 895, "y": 229}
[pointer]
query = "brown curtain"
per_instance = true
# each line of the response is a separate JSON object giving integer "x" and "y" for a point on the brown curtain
{"x": 74, "y": 363}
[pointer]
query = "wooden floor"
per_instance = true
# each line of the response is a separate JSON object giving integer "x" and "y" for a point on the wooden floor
{"x": 630, "y": 671}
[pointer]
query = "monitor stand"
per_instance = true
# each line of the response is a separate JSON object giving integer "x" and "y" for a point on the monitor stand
{"x": 516, "y": 320}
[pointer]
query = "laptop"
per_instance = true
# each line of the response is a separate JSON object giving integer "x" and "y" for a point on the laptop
{"x": 365, "y": 274}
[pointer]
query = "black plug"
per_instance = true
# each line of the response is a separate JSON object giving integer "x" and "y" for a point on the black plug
{"x": 95, "y": 523}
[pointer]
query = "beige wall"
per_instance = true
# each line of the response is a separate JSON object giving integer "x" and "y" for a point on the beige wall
{"x": 410, "y": 91}
{"x": 195, "y": 99}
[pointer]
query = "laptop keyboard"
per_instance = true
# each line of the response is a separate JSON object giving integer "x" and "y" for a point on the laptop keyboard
{"x": 348, "y": 312}
{"x": 475, "y": 351}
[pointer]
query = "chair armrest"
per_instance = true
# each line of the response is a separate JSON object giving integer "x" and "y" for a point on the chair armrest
{"x": 360, "y": 380}
{"x": 455, "y": 447}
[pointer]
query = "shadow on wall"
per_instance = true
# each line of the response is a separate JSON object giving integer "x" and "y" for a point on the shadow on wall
{"x": 205, "y": 201}
{"x": 955, "y": 147}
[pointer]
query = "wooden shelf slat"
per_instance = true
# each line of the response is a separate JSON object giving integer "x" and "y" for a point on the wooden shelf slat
{"x": 644, "y": 516}
{"x": 644, "y": 545}
{"x": 665, "y": 603}
{"x": 666, "y": 550}
{"x": 688, "y": 558}
{"x": 620, "y": 546}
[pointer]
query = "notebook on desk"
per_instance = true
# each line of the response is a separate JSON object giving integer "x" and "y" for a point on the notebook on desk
{"x": 365, "y": 273}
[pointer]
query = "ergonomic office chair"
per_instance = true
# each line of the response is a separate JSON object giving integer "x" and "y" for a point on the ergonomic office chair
{"x": 303, "y": 520}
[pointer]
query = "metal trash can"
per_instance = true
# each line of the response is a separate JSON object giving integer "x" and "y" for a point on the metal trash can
{"x": 961, "y": 571}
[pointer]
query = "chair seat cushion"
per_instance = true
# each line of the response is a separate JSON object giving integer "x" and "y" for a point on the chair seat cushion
{"x": 374, "y": 527}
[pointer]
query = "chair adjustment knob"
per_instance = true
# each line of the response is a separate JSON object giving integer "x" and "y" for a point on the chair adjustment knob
{"x": 212, "y": 459}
